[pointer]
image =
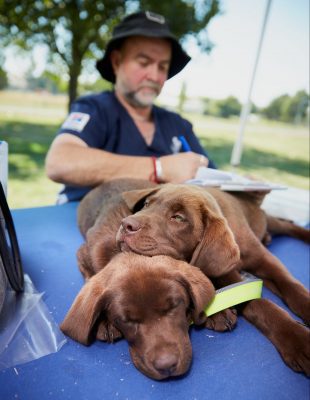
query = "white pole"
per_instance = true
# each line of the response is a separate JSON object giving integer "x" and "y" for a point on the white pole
{"x": 4, "y": 165}
{"x": 237, "y": 150}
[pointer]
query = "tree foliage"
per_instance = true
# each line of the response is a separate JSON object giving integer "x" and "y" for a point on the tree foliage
{"x": 3, "y": 79}
{"x": 223, "y": 108}
{"x": 288, "y": 108}
{"x": 3, "y": 74}
{"x": 78, "y": 30}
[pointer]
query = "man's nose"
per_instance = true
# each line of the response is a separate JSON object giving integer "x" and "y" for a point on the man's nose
{"x": 153, "y": 73}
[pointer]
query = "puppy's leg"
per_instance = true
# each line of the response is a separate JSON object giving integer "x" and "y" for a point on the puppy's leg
{"x": 291, "y": 339}
{"x": 278, "y": 279}
{"x": 277, "y": 226}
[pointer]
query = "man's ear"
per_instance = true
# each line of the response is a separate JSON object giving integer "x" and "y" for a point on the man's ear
{"x": 115, "y": 58}
{"x": 217, "y": 253}
{"x": 199, "y": 287}
{"x": 81, "y": 319}
{"x": 133, "y": 197}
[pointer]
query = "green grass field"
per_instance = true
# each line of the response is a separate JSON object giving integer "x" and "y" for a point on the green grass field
{"x": 28, "y": 122}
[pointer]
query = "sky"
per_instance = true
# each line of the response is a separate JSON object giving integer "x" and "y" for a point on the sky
{"x": 283, "y": 65}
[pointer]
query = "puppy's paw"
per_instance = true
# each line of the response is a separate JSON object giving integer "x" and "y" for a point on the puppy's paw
{"x": 267, "y": 239}
{"x": 107, "y": 332}
{"x": 222, "y": 321}
{"x": 300, "y": 304}
{"x": 295, "y": 348}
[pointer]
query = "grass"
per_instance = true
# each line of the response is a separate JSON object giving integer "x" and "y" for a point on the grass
{"x": 28, "y": 122}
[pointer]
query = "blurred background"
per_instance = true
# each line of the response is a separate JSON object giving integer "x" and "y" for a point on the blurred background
{"x": 48, "y": 50}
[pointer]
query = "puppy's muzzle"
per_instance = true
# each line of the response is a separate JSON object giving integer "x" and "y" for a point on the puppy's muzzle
{"x": 130, "y": 225}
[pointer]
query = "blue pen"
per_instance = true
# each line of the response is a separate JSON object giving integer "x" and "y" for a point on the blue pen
{"x": 185, "y": 145}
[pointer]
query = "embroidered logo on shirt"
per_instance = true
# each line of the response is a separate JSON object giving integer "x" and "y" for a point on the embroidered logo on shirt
{"x": 76, "y": 121}
{"x": 176, "y": 145}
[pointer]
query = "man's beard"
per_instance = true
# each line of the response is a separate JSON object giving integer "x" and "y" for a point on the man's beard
{"x": 139, "y": 100}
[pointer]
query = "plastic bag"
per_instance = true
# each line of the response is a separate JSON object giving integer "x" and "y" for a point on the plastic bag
{"x": 27, "y": 329}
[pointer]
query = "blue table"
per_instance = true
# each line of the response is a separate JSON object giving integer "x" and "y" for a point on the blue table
{"x": 241, "y": 364}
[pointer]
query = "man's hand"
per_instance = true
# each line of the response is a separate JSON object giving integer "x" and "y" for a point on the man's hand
{"x": 180, "y": 167}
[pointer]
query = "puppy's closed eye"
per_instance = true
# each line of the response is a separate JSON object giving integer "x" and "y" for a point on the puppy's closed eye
{"x": 125, "y": 322}
{"x": 178, "y": 218}
{"x": 172, "y": 305}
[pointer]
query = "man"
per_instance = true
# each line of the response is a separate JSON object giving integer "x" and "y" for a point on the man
{"x": 121, "y": 133}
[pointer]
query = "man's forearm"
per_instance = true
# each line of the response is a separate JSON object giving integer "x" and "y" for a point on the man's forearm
{"x": 71, "y": 161}
{"x": 85, "y": 166}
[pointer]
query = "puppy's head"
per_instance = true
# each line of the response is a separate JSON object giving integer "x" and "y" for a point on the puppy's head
{"x": 148, "y": 300}
{"x": 182, "y": 221}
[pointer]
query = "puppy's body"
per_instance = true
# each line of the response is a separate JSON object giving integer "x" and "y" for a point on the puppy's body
{"x": 219, "y": 232}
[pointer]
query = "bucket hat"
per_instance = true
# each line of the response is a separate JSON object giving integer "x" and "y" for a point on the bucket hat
{"x": 147, "y": 24}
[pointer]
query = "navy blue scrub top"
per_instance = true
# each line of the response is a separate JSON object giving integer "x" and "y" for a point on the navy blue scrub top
{"x": 102, "y": 122}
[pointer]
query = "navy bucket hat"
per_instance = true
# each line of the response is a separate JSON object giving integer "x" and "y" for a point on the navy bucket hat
{"x": 147, "y": 24}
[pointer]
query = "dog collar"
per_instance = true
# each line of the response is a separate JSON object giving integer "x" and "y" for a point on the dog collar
{"x": 249, "y": 289}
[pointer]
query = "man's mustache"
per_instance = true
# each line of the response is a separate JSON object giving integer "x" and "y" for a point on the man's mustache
{"x": 150, "y": 85}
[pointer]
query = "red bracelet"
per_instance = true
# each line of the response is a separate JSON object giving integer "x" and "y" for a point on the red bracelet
{"x": 153, "y": 176}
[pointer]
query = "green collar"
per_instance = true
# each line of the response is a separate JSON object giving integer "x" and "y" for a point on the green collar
{"x": 229, "y": 296}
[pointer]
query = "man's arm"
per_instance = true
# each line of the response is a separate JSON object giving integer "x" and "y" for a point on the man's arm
{"x": 71, "y": 161}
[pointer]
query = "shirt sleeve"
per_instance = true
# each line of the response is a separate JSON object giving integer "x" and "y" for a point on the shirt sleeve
{"x": 87, "y": 122}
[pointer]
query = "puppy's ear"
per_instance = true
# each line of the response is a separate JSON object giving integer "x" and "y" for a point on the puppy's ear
{"x": 199, "y": 288}
{"x": 133, "y": 197}
{"x": 218, "y": 252}
{"x": 81, "y": 319}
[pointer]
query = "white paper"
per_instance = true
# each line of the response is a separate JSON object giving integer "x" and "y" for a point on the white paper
{"x": 229, "y": 181}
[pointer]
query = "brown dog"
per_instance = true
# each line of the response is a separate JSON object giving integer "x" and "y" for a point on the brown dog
{"x": 148, "y": 300}
{"x": 219, "y": 232}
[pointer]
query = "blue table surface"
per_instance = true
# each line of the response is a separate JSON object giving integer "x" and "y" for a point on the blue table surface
{"x": 241, "y": 364}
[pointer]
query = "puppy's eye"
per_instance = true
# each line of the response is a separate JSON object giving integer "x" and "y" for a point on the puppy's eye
{"x": 123, "y": 321}
{"x": 119, "y": 321}
{"x": 146, "y": 204}
{"x": 178, "y": 218}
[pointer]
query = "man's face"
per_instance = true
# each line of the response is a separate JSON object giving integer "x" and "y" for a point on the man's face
{"x": 141, "y": 68}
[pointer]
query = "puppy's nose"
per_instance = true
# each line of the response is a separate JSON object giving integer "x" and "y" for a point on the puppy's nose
{"x": 130, "y": 224}
{"x": 166, "y": 363}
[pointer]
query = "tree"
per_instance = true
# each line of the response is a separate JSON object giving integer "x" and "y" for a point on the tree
{"x": 78, "y": 30}
{"x": 296, "y": 111}
{"x": 3, "y": 74}
{"x": 229, "y": 107}
{"x": 224, "y": 108}
{"x": 182, "y": 98}
{"x": 46, "y": 81}
{"x": 3, "y": 79}
{"x": 288, "y": 108}
{"x": 275, "y": 107}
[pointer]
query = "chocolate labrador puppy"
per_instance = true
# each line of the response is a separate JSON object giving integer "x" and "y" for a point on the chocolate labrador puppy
{"x": 150, "y": 301}
{"x": 219, "y": 232}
